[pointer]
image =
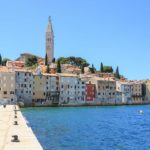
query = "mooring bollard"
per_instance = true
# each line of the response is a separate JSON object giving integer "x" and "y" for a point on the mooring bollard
{"x": 15, "y": 123}
{"x": 15, "y": 138}
{"x": 15, "y": 112}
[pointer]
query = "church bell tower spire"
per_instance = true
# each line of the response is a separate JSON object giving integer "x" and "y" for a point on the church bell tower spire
{"x": 49, "y": 41}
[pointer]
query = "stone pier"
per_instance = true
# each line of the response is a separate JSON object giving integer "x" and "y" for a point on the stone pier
{"x": 12, "y": 123}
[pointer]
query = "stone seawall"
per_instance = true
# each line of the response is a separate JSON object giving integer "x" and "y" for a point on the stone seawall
{"x": 15, "y": 134}
{"x": 89, "y": 104}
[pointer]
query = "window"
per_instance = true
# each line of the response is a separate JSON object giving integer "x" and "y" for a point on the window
{"x": 11, "y": 92}
{"x": 5, "y": 92}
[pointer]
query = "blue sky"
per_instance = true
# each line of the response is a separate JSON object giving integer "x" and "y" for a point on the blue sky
{"x": 115, "y": 32}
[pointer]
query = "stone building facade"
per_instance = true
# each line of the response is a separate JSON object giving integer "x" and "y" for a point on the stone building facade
{"x": 24, "y": 86}
{"x": 7, "y": 87}
{"x": 136, "y": 91}
{"x": 105, "y": 90}
{"x": 52, "y": 88}
{"x": 72, "y": 89}
{"x": 124, "y": 88}
{"x": 39, "y": 89}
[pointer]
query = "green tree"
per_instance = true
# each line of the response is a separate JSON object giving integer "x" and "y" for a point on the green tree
{"x": 82, "y": 69}
{"x": 46, "y": 62}
{"x": 31, "y": 61}
{"x": 92, "y": 69}
{"x": 4, "y": 61}
{"x": 47, "y": 69}
{"x": 107, "y": 69}
{"x": 53, "y": 61}
{"x": 0, "y": 60}
{"x": 101, "y": 69}
{"x": 62, "y": 60}
{"x": 117, "y": 74}
{"x": 75, "y": 61}
{"x": 58, "y": 67}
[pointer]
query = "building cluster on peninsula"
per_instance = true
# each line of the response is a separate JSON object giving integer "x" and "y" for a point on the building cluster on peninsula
{"x": 50, "y": 83}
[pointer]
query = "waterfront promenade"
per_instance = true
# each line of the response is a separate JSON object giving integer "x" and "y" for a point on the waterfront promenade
{"x": 13, "y": 123}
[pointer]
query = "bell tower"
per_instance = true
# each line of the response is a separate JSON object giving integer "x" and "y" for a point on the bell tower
{"x": 49, "y": 42}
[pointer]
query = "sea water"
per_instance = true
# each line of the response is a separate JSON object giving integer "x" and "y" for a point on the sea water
{"x": 91, "y": 128}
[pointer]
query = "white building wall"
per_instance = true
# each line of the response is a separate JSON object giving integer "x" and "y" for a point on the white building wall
{"x": 72, "y": 90}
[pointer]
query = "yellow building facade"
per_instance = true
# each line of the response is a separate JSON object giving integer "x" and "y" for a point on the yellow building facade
{"x": 39, "y": 82}
{"x": 148, "y": 90}
{"x": 136, "y": 91}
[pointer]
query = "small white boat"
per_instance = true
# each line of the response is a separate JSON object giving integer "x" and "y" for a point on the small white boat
{"x": 141, "y": 111}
